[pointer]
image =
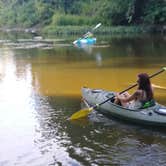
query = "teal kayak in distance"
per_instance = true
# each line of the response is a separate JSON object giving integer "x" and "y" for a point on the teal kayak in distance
{"x": 87, "y": 41}
{"x": 153, "y": 116}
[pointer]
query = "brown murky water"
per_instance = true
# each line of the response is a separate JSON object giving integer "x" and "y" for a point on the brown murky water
{"x": 40, "y": 82}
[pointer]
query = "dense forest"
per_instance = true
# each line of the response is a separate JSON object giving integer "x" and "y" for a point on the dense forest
{"x": 50, "y": 14}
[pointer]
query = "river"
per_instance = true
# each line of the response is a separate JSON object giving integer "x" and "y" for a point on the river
{"x": 40, "y": 82}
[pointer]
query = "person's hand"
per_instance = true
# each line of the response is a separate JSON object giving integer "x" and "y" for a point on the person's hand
{"x": 117, "y": 95}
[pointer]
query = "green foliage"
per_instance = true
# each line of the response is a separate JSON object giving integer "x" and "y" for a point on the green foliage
{"x": 53, "y": 13}
{"x": 65, "y": 30}
{"x": 79, "y": 30}
{"x": 114, "y": 12}
{"x": 155, "y": 12}
{"x": 26, "y": 15}
{"x": 62, "y": 20}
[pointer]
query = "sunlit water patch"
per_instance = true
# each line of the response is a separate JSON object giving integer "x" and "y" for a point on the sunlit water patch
{"x": 29, "y": 127}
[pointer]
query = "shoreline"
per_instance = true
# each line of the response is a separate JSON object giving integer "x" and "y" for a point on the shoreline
{"x": 78, "y": 30}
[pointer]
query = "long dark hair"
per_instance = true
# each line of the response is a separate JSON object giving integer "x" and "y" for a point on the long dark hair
{"x": 145, "y": 84}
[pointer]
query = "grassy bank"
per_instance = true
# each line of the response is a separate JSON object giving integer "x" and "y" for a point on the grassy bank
{"x": 78, "y": 30}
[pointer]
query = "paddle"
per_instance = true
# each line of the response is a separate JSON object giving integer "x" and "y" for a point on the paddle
{"x": 98, "y": 25}
{"x": 84, "y": 112}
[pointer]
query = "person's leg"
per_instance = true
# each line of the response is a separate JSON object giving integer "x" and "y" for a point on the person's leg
{"x": 125, "y": 95}
{"x": 117, "y": 101}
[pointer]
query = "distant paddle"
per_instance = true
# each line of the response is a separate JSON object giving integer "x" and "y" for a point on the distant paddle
{"x": 159, "y": 87}
{"x": 98, "y": 25}
{"x": 84, "y": 112}
{"x": 88, "y": 33}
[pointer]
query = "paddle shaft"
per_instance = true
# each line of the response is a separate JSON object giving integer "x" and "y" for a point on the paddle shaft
{"x": 132, "y": 86}
{"x": 98, "y": 25}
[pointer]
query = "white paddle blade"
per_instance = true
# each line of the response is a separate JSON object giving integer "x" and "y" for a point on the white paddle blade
{"x": 97, "y": 26}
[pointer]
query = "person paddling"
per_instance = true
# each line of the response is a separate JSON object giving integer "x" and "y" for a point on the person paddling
{"x": 88, "y": 35}
{"x": 143, "y": 97}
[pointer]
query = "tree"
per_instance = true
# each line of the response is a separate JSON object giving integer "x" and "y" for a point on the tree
{"x": 155, "y": 12}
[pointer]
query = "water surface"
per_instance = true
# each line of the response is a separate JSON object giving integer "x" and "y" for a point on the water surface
{"x": 40, "y": 82}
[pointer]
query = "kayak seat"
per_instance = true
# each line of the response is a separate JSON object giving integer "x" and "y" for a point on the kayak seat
{"x": 96, "y": 91}
{"x": 146, "y": 104}
{"x": 110, "y": 95}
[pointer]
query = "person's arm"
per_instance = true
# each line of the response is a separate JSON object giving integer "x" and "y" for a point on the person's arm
{"x": 129, "y": 98}
{"x": 86, "y": 35}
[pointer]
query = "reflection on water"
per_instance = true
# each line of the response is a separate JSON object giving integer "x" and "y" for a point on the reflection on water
{"x": 16, "y": 108}
{"x": 40, "y": 89}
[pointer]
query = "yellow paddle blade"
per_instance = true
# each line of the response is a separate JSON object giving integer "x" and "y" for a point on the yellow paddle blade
{"x": 81, "y": 114}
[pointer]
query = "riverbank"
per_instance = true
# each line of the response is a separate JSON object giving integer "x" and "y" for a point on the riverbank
{"x": 104, "y": 30}
{"x": 79, "y": 30}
